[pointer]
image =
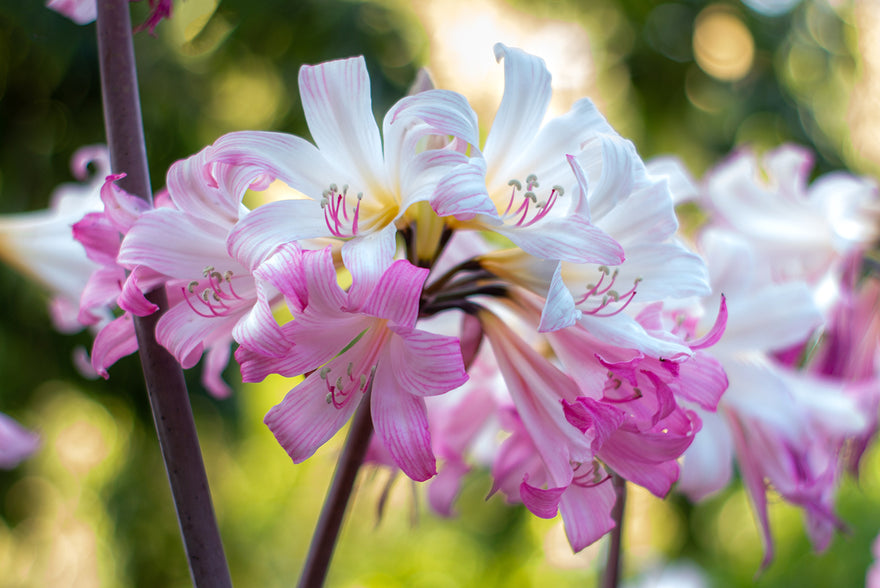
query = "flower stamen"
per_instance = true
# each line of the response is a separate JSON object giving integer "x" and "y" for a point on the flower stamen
{"x": 529, "y": 196}
{"x": 341, "y": 222}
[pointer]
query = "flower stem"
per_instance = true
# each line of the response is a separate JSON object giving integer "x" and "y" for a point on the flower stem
{"x": 324, "y": 540}
{"x": 611, "y": 579}
{"x": 165, "y": 384}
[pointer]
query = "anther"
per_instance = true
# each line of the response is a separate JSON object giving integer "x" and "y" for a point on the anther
{"x": 559, "y": 190}
{"x": 515, "y": 183}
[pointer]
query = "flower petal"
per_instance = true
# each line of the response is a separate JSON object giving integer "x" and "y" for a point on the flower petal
{"x": 426, "y": 364}
{"x": 114, "y": 341}
{"x": 586, "y": 511}
{"x": 304, "y": 420}
{"x": 257, "y": 235}
{"x": 395, "y": 296}
{"x": 401, "y": 420}
{"x": 526, "y": 97}
{"x": 338, "y": 108}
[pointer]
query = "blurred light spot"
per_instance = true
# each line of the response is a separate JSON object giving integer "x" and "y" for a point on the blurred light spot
{"x": 704, "y": 92}
{"x": 194, "y": 30}
{"x": 763, "y": 130}
{"x": 462, "y": 34}
{"x": 863, "y": 119}
{"x": 806, "y": 65}
{"x": 736, "y": 536}
{"x": 81, "y": 446}
{"x": 723, "y": 46}
{"x": 668, "y": 30}
{"x": 247, "y": 95}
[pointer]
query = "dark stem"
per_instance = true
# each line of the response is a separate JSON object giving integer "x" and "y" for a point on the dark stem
{"x": 613, "y": 566}
{"x": 324, "y": 540}
{"x": 165, "y": 384}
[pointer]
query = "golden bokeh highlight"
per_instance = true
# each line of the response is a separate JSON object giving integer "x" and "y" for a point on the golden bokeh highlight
{"x": 723, "y": 45}
{"x": 462, "y": 34}
{"x": 862, "y": 118}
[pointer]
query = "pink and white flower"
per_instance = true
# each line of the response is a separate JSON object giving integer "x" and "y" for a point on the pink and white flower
{"x": 40, "y": 244}
{"x": 357, "y": 186}
{"x": 784, "y": 428}
{"x": 351, "y": 342}
{"x": 16, "y": 442}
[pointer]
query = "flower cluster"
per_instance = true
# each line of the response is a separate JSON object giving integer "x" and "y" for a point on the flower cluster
{"x": 531, "y": 288}
{"x": 400, "y": 252}
{"x": 801, "y": 345}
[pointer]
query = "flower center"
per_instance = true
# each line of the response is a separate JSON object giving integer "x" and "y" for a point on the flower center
{"x": 339, "y": 390}
{"x": 529, "y": 210}
{"x": 339, "y": 214}
{"x": 609, "y": 297}
{"x": 215, "y": 296}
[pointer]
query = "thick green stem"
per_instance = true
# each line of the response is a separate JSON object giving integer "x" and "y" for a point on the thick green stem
{"x": 165, "y": 384}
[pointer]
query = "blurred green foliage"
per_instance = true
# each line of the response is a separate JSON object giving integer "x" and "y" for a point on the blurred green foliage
{"x": 92, "y": 508}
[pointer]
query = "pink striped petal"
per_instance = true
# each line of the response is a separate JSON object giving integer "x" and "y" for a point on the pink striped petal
{"x": 526, "y": 97}
{"x": 304, "y": 420}
{"x": 114, "y": 341}
{"x": 261, "y": 231}
{"x": 338, "y": 108}
{"x": 395, "y": 296}
{"x": 541, "y": 503}
{"x": 426, "y": 364}
{"x": 586, "y": 512}
{"x": 401, "y": 420}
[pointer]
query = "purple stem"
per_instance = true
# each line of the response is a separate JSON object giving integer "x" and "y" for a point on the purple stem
{"x": 324, "y": 540}
{"x": 165, "y": 384}
{"x": 611, "y": 578}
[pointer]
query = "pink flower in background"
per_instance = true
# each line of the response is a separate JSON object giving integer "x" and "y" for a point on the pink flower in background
{"x": 40, "y": 244}
{"x": 85, "y": 11}
{"x": 800, "y": 231}
{"x": 349, "y": 342}
{"x": 183, "y": 244}
{"x": 16, "y": 442}
{"x": 785, "y": 428}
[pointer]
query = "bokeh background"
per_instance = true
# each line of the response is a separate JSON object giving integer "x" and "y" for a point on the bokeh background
{"x": 691, "y": 78}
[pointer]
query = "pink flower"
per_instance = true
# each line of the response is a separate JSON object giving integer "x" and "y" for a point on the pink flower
{"x": 594, "y": 230}
{"x": 357, "y": 186}
{"x": 349, "y": 342}
{"x": 85, "y": 11}
{"x": 16, "y": 442}
{"x": 524, "y": 190}
{"x": 40, "y": 244}
{"x": 784, "y": 428}
{"x": 212, "y": 295}
{"x": 802, "y": 231}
